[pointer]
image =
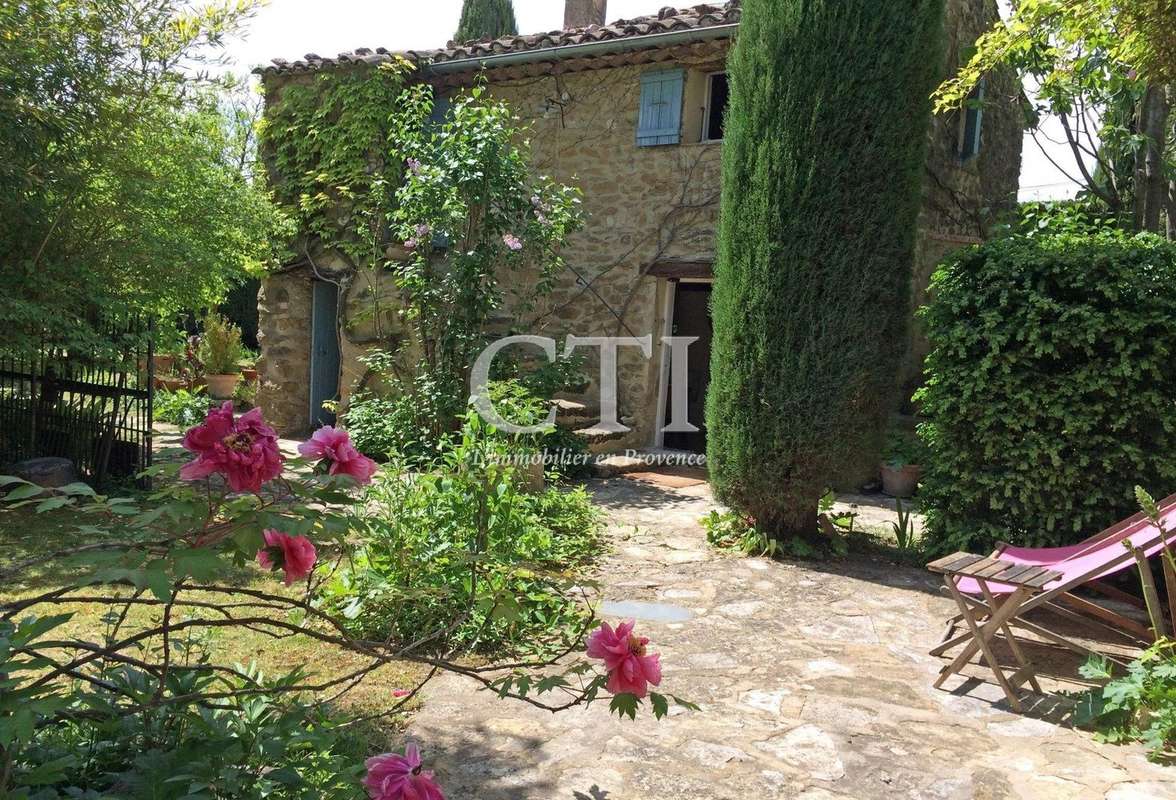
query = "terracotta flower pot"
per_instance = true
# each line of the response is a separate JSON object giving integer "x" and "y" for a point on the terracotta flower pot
{"x": 901, "y": 481}
{"x": 249, "y": 374}
{"x": 164, "y": 364}
{"x": 170, "y": 383}
{"x": 221, "y": 387}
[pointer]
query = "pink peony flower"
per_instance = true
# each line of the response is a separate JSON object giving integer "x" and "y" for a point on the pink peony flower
{"x": 395, "y": 777}
{"x": 294, "y": 555}
{"x": 630, "y": 669}
{"x": 512, "y": 241}
{"x": 423, "y": 230}
{"x": 244, "y": 450}
{"x": 410, "y": 244}
{"x": 333, "y": 444}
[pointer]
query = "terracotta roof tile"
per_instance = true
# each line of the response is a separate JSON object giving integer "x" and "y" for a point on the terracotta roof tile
{"x": 666, "y": 20}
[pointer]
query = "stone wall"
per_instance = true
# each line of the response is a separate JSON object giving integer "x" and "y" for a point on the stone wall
{"x": 643, "y": 205}
{"x": 283, "y": 333}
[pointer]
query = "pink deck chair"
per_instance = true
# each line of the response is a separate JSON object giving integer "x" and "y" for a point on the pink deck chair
{"x": 994, "y": 592}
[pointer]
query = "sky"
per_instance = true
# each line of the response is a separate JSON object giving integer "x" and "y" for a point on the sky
{"x": 292, "y": 28}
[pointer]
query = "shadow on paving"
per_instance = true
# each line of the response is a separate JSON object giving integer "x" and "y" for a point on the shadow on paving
{"x": 467, "y": 768}
{"x": 615, "y": 494}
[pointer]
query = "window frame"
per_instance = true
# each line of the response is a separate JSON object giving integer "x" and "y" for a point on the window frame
{"x": 967, "y": 150}
{"x": 706, "y": 110}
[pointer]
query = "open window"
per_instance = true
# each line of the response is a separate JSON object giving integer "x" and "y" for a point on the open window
{"x": 970, "y": 125}
{"x": 716, "y": 107}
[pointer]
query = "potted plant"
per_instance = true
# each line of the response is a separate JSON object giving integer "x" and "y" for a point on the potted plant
{"x": 169, "y": 340}
{"x": 249, "y": 365}
{"x": 901, "y": 464}
{"x": 220, "y": 350}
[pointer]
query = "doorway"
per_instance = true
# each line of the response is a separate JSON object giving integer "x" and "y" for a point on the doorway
{"x": 324, "y": 351}
{"x": 691, "y": 317}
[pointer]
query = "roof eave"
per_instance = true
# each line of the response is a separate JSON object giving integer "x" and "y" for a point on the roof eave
{"x": 583, "y": 49}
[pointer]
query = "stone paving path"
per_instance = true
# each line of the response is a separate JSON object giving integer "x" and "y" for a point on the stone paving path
{"x": 814, "y": 683}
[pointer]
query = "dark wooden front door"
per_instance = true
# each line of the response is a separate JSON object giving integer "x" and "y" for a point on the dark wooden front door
{"x": 692, "y": 318}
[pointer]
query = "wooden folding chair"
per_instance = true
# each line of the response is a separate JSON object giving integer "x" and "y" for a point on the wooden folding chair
{"x": 993, "y": 595}
{"x": 985, "y": 619}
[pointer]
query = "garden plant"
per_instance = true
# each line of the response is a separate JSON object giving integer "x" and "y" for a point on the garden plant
{"x": 161, "y": 716}
{"x": 809, "y": 326}
{"x": 1048, "y": 393}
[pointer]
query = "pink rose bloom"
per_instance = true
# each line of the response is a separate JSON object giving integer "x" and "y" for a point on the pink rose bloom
{"x": 333, "y": 444}
{"x": 294, "y": 555}
{"x": 244, "y": 450}
{"x": 512, "y": 241}
{"x": 395, "y": 777}
{"x": 630, "y": 668}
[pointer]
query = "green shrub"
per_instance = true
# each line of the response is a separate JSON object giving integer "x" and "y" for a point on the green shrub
{"x": 220, "y": 346}
{"x": 823, "y": 159}
{"x": 465, "y": 555}
{"x": 1138, "y": 706}
{"x": 521, "y": 403}
{"x": 1050, "y": 389}
{"x": 247, "y": 747}
{"x": 412, "y": 428}
{"x": 181, "y": 407}
{"x": 903, "y": 448}
{"x": 401, "y": 428}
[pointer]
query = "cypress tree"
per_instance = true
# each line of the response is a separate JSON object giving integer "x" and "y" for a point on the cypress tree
{"x": 823, "y": 156}
{"x": 482, "y": 19}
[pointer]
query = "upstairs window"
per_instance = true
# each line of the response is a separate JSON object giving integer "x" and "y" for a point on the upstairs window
{"x": 970, "y": 126}
{"x": 716, "y": 107}
{"x": 660, "y": 121}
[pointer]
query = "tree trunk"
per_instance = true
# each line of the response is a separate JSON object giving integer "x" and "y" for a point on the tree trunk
{"x": 1151, "y": 188}
{"x": 789, "y": 521}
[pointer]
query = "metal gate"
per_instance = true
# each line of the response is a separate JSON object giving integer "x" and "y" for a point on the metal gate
{"x": 92, "y": 404}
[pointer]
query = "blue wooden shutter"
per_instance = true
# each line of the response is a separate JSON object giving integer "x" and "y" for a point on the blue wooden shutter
{"x": 973, "y": 117}
{"x": 661, "y": 107}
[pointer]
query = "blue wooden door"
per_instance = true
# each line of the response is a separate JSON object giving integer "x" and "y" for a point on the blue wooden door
{"x": 324, "y": 351}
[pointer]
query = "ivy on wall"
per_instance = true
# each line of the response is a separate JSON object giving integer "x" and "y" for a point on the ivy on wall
{"x": 447, "y": 207}
{"x": 329, "y": 144}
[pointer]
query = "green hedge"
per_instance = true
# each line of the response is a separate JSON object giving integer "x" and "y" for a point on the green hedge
{"x": 1051, "y": 387}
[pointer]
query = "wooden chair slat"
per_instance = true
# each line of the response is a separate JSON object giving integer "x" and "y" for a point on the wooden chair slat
{"x": 954, "y": 563}
{"x": 1013, "y": 574}
{"x": 1040, "y": 579}
{"x": 990, "y": 567}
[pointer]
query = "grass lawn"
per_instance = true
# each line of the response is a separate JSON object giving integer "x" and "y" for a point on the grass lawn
{"x": 25, "y": 534}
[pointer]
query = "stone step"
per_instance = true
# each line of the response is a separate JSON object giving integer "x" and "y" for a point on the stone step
{"x": 572, "y": 414}
{"x": 618, "y": 464}
{"x": 596, "y": 435}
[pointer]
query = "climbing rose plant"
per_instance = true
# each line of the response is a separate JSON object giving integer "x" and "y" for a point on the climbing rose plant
{"x": 239, "y": 499}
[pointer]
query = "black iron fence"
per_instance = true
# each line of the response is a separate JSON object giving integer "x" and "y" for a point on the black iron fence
{"x": 89, "y": 403}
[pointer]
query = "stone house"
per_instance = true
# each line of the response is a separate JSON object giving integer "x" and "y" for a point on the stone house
{"x": 631, "y": 112}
